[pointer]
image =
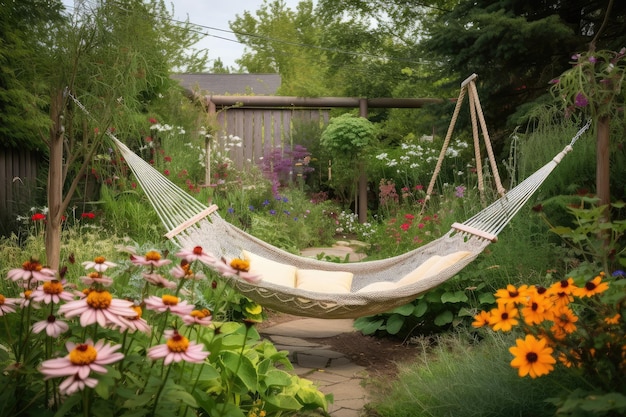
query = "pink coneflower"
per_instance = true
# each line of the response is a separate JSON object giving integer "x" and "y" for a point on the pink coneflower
{"x": 52, "y": 326}
{"x": 25, "y": 299}
{"x": 51, "y": 292}
{"x": 236, "y": 267}
{"x": 178, "y": 348}
{"x": 202, "y": 317}
{"x": 137, "y": 323}
{"x": 31, "y": 270}
{"x": 100, "y": 264}
{"x": 152, "y": 258}
{"x": 168, "y": 302}
{"x": 95, "y": 277}
{"x": 7, "y": 305}
{"x": 159, "y": 280}
{"x": 184, "y": 271}
{"x": 99, "y": 307}
{"x": 196, "y": 254}
{"x": 78, "y": 364}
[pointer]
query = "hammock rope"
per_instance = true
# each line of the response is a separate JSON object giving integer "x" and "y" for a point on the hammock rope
{"x": 190, "y": 223}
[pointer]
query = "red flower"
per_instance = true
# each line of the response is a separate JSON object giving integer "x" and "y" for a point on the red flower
{"x": 405, "y": 226}
{"x": 168, "y": 159}
{"x": 38, "y": 217}
{"x": 89, "y": 215}
{"x": 419, "y": 187}
{"x": 166, "y": 172}
{"x": 153, "y": 121}
{"x": 148, "y": 139}
{"x": 409, "y": 216}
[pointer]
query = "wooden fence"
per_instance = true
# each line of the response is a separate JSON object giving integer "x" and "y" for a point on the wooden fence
{"x": 18, "y": 184}
{"x": 261, "y": 131}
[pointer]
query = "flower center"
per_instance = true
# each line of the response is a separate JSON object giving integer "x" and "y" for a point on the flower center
{"x": 31, "y": 266}
{"x": 178, "y": 343}
{"x": 51, "y": 319}
{"x": 99, "y": 299}
{"x": 513, "y": 294}
{"x": 137, "y": 310}
{"x": 153, "y": 256}
{"x": 83, "y": 354}
{"x": 534, "y": 306}
{"x": 200, "y": 313}
{"x": 590, "y": 286}
{"x": 240, "y": 264}
{"x": 197, "y": 250}
{"x": 505, "y": 316}
{"x": 94, "y": 275}
{"x": 2, "y": 299}
{"x": 170, "y": 300}
{"x": 99, "y": 259}
{"x": 27, "y": 294}
{"x": 52, "y": 287}
{"x": 532, "y": 357}
{"x": 564, "y": 283}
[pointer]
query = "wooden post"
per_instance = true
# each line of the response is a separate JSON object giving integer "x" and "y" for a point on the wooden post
{"x": 362, "y": 195}
{"x": 603, "y": 162}
{"x": 55, "y": 183}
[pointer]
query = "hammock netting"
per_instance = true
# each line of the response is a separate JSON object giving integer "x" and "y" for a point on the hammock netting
{"x": 191, "y": 223}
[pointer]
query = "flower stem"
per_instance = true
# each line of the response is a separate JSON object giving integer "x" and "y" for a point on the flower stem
{"x": 158, "y": 394}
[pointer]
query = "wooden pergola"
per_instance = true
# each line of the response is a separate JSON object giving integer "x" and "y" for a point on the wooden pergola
{"x": 216, "y": 103}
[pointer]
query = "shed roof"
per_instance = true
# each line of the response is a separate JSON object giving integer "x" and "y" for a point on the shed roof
{"x": 230, "y": 84}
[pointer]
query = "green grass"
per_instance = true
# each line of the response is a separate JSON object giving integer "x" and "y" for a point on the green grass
{"x": 459, "y": 377}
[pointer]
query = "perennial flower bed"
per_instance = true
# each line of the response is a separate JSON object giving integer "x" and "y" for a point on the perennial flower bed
{"x": 141, "y": 337}
{"x": 575, "y": 323}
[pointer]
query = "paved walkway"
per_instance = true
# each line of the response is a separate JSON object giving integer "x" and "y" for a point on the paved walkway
{"x": 331, "y": 371}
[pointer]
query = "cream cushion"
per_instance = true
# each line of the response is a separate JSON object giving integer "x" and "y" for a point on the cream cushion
{"x": 379, "y": 286}
{"x": 324, "y": 281}
{"x": 271, "y": 271}
{"x": 432, "y": 266}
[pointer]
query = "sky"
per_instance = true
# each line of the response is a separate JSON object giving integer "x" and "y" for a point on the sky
{"x": 215, "y": 14}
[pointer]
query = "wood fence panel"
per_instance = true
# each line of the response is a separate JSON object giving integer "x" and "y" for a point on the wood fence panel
{"x": 18, "y": 185}
{"x": 261, "y": 130}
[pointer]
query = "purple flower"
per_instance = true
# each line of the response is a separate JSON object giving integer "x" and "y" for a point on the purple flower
{"x": 581, "y": 100}
{"x": 459, "y": 191}
{"x": 272, "y": 212}
{"x": 619, "y": 273}
{"x": 231, "y": 210}
{"x": 593, "y": 59}
{"x": 251, "y": 207}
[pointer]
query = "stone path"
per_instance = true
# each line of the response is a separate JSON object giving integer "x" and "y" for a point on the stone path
{"x": 331, "y": 371}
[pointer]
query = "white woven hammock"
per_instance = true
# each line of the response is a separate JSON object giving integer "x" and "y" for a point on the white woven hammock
{"x": 190, "y": 223}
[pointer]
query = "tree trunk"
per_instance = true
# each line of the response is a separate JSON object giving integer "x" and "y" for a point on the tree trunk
{"x": 55, "y": 183}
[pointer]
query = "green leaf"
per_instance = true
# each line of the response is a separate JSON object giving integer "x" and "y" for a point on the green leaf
{"x": 486, "y": 298}
{"x": 368, "y": 325}
{"x": 241, "y": 368}
{"x": 405, "y": 310}
{"x": 420, "y": 309}
{"x": 465, "y": 312}
{"x": 277, "y": 377}
{"x": 395, "y": 323}
{"x": 444, "y": 318}
{"x": 454, "y": 297}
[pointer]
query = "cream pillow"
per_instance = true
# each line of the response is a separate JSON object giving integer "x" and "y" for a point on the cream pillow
{"x": 419, "y": 272}
{"x": 432, "y": 266}
{"x": 379, "y": 286}
{"x": 324, "y": 281}
{"x": 271, "y": 271}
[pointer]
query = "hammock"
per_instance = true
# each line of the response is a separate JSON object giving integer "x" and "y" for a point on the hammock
{"x": 375, "y": 287}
